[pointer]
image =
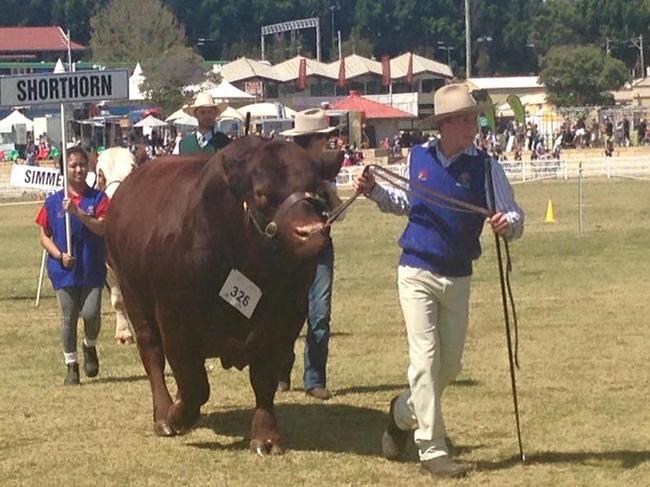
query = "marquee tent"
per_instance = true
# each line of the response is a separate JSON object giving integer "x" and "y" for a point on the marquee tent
{"x": 150, "y": 121}
{"x": 135, "y": 81}
{"x": 15, "y": 118}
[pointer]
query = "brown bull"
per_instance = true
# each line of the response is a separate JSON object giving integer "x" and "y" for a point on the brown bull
{"x": 182, "y": 231}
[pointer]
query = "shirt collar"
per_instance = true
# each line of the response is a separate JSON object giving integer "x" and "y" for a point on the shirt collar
{"x": 470, "y": 150}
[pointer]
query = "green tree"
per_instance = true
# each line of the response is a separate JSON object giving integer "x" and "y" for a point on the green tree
{"x": 581, "y": 76}
{"x": 167, "y": 75}
{"x": 126, "y": 30}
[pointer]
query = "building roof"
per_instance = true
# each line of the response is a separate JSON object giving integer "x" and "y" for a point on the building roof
{"x": 505, "y": 82}
{"x": 355, "y": 66}
{"x": 399, "y": 66}
{"x": 245, "y": 68}
{"x": 30, "y": 39}
{"x": 288, "y": 70}
{"x": 371, "y": 109}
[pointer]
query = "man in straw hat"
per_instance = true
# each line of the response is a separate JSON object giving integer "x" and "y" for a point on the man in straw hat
{"x": 204, "y": 138}
{"x": 438, "y": 247}
{"x": 311, "y": 132}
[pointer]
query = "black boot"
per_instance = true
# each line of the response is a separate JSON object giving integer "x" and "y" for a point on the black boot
{"x": 91, "y": 361}
{"x": 72, "y": 377}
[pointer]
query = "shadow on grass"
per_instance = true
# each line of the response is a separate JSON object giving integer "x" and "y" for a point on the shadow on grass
{"x": 119, "y": 379}
{"x": 465, "y": 383}
{"x": 364, "y": 389}
{"x": 627, "y": 459}
{"x": 305, "y": 427}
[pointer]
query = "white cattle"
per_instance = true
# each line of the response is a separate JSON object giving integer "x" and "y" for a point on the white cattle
{"x": 113, "y": 166}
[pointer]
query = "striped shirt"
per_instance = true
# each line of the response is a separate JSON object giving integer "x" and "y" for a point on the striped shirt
{"x": 396, "y": 201}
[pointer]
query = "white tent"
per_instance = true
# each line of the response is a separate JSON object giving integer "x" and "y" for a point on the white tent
{"x": 150, "y": 121}
{"x": 223, "y": 91}
{"x": 176, "y": 115}
{"x": 14, "y": 118}
{"x": 179, "y": 117}
{"x": 267, "y": 110}
{"x": 59, "y": 68}
{"x": 227, "y": 91}
{"x": 135, "y": 81}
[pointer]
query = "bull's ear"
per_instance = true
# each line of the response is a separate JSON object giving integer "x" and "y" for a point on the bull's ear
{"x": 329, "y": 165}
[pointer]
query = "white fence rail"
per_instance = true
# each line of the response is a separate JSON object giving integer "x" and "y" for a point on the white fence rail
{"x": 528, "y": 171}
{"x": 517, "y": 171}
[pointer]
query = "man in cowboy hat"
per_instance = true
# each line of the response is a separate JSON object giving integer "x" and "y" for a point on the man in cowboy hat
{"x": 311, "y": 132}
{"x": 438, "y": 247}
{"x": 204, "y": 138}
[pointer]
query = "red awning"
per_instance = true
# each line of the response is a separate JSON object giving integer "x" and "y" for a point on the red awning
{"x": 371, "y": 109}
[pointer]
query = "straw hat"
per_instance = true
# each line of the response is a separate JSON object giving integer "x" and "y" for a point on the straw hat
{"x": 204, "y": 100}
{"x": 312, "y": 121}
{"x": 452, "y": 100}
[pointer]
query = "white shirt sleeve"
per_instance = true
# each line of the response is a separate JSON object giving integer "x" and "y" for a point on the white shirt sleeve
{"x": 392, "y": 200}
{"x": 505, "y": 200}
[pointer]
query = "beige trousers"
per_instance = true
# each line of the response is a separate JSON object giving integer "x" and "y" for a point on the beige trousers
{"x": 435, "y": 310}
{"x": 123, "y": 328}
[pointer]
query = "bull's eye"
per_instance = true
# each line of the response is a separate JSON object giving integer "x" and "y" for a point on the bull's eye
{"x": 261, "y": 200}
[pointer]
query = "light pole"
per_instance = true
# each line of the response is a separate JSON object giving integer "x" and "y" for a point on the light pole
{"x": 332, "y": 8}
{"x": 468, "y": 43}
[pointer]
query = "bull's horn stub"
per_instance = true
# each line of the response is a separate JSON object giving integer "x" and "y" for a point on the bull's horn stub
{"x": 241, "y": 293}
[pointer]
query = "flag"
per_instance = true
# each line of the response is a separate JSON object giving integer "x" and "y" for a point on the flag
{"x": 409, "y": 70}
{"x": 517, "y": 108}
{"x": 341, "y": 81}
{"x": 301, "y": 82}
{"x": 385, "y": 71}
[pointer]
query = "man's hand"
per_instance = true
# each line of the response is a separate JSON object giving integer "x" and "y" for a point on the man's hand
{"x": 500, "y": 224}
{"x": 364, "y": 182}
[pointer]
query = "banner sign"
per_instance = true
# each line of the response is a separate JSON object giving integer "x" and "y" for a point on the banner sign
{"x": 80, "y": 86}
{"x": 43, "y": 178}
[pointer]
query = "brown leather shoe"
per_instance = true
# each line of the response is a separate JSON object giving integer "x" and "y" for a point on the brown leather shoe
{"x": 284, "y": 386}
{"x": 394, "y": 440}
{"x": 444, "y": 467}
{"x": 319, "y": 393}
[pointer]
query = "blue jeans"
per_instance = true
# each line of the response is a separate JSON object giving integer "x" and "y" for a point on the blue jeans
{"x": 318, "y": 325}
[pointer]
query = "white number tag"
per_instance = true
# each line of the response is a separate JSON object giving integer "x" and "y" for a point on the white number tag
{"x": 241, "y": 293}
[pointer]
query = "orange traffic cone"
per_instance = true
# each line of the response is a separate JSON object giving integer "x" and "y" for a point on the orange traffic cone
{"x": 550, "y": 214}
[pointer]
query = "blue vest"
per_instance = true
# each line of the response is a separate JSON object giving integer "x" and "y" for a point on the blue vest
{"x": 88, "y": 250}
{"x": 439, "y": 239}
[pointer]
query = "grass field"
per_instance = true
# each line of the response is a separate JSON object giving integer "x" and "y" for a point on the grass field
{"x": 583, "y": 305}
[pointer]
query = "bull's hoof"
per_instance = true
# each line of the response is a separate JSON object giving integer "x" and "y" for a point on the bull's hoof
{"x": 163, "y": 429}
{"x": 267, "y": 447}
{"x": 124, "y": 340}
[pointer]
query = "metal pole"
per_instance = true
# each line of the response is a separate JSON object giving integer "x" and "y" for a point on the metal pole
{"x": 40, "y": 279}
{"x": 318, "y": 41}
{"x": 340, "y": 50}
{"x": 64, "y": 154}
{"x": 580, "y": 199}
{"x": 332, "y": 7}
{"x": 262, "y": 46}
{"x": 69, "y": 53}
{"x": 642, "y": 58}
{"x": 468, "y": 43}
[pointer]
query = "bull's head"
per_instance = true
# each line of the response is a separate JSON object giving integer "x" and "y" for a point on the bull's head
{"x": 284, "y": 193}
